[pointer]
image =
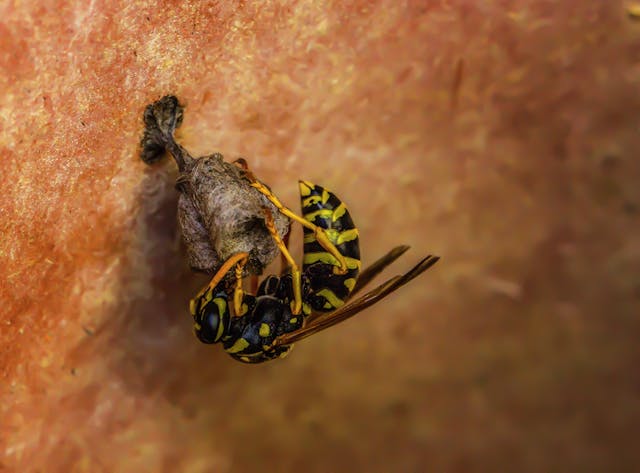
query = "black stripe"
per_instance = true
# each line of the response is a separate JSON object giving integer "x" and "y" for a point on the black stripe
{"x": 350, "y": 249}
{"x": 333, "y": 201}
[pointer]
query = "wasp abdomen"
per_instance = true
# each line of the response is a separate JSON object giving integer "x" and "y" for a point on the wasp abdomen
{"x": 325, "y": 210}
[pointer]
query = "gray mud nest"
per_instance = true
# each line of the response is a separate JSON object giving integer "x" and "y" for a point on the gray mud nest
{"x": 219, "y": 213}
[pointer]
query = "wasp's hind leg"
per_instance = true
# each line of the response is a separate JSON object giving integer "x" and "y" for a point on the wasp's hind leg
{"x": 320, "y": 234}
{"x": 284, "y": 251}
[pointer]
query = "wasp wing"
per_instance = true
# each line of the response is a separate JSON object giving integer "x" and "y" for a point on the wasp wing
{"x": 328, "y": 320}
{"x": 376, "y": 268}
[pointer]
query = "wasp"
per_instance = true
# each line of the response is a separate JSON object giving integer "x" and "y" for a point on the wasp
{"x": 233, "y": 225}
{"x": 297, "y": 304}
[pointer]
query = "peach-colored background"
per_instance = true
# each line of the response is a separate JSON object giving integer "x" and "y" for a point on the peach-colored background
{"x": 502, "y": 135}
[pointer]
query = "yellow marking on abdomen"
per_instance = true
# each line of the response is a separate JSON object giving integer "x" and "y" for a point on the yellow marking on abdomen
{"x": 239, "y": 345}
{"x": 326, "y": 213}
{"x": 328, "y": 294}
{"x": 347, "y": 235}
{"x": 334, "y": 237}
{"x": 314, "y": 199}
{"x": 327, "y": 258}
{"x": 339, "y": 211}
{"x": 305, "y": 187}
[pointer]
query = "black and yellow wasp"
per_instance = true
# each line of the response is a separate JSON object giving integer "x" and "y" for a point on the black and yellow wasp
{"x": 295, "y": 305}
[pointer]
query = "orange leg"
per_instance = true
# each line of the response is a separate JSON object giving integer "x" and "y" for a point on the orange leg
{"x": 295, "y": 271}
{"x": 238, "y": 293}
{"x": 238, "y": 259}
{"x": 284, "y": 264}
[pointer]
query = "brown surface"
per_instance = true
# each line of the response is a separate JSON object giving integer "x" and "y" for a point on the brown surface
{"x": 502, "y": 135}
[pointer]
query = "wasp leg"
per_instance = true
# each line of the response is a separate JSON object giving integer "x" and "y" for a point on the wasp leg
{"x": 288, "y": 260}
{"x": 295, "y": 270}
{"x": 222, "y": 272}
{"x": 319, "y": 233}
{"x": 284, "y": 263}
{"x": 347, "y": 311}
{"x": 238, "y": 293}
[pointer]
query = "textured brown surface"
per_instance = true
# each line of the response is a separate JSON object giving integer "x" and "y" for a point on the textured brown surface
{"x": 502, "y": 135}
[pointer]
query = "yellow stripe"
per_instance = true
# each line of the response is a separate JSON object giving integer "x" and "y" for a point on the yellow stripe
{"x": 293, "y": 320}
{"x": 328, "y": 294}
{"x": 334, "y": 236}
{"x": 323, "y": 257}
{"x": 322, "y": 213}
{"x": 352, "y": 263}
{"x": 349, "y": 283}
{"x": 314, "y": 199}
{"x": 347, "y": 235}
{"x": 325, "y": 196}
{"x": 192, "y": 307}
{"x": 339, "y": 211}
{"x": 305, "y": 187}
{"x": 327, "y": 258}
{"x": 240, "y": 345}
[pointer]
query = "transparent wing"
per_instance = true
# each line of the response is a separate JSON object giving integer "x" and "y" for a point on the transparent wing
{"x": 366, "y": 275}
{"x": 324, "y": 321}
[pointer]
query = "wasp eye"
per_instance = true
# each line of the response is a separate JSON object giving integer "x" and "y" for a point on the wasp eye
{"x": 212, "y": 320}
